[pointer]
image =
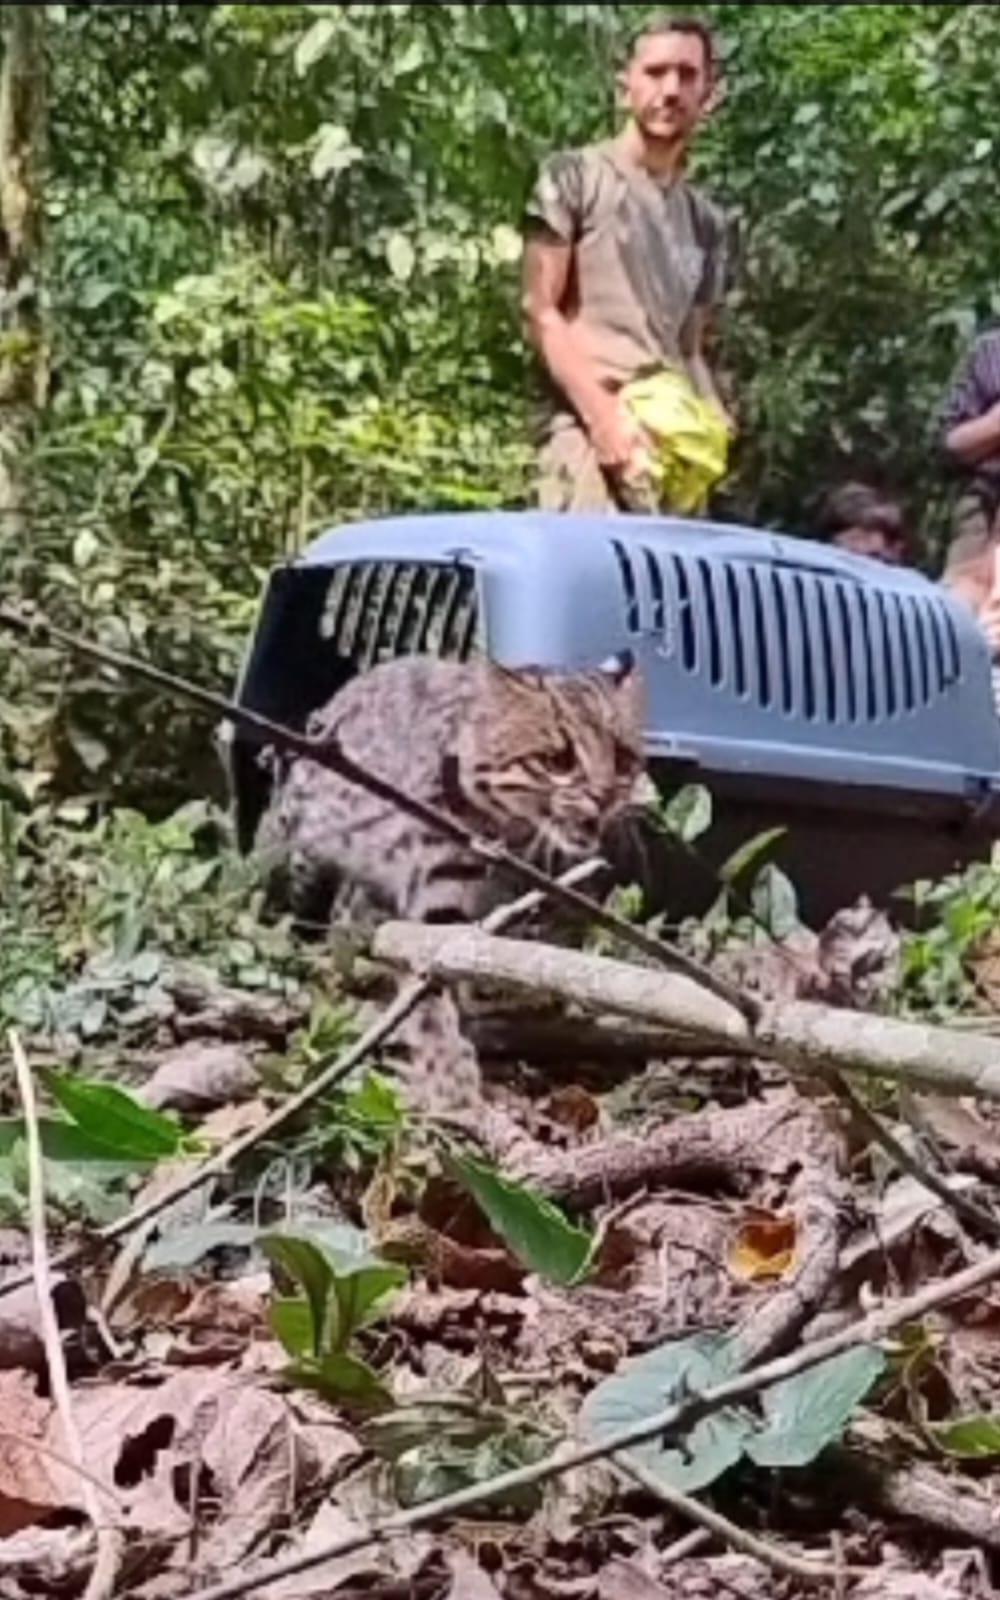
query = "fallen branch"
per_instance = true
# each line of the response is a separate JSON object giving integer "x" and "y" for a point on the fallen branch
{"x": 327, "y": 753}
{"x": 762, "y": 1550}
{"x": 678, "y": 1418}
{"x": 805, "y": 1036}
{"x": 549, "y": 972}
{"x": 931, "y": 1499}
{"x": 801, "y": 1036}
{"x": 102, "y": 1578}
{"x": 325, "y": 1079}
{"x": 720, "y": 1149}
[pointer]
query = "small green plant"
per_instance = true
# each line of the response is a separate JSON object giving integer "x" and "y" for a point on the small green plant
{"x": 437, "y": 1444}
{"x": 953, "y": 921}
{"x": 342, "y": 1291}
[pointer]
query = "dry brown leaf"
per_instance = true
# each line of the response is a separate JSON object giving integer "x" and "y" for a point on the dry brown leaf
{"x": 446, "y": 1261}
{"x": 198, "y": 1077}
{"x": 238, "y": 1307}
{"x": 400, "y": 1558}
{"x": 45, "y": 1561}
{"x": 573, "y": 1108}
{"x": 30, "y": 1482}
{"x": 626, "y": 1580}
{"x": 976, "y": 1141}
{"x": 231, "y": 1122}
{"x": 469, "y": 1581}
{"x": 241, "y": 1445}
{"x": 764, "y": 1248}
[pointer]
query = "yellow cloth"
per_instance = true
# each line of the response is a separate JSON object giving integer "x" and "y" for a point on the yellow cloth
{"x": 690, "y": 439}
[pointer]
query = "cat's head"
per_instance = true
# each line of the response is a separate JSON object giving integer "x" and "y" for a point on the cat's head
{"x": 555, "y": 760}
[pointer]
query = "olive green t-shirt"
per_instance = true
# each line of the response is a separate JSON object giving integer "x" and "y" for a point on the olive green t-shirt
{"x": 648, "y": 253}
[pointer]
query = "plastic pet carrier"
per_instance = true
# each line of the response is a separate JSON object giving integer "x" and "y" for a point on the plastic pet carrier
{"x": 845, "y": 700}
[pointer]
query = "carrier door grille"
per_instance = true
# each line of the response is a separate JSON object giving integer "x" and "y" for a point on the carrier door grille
{"x": 805, "y": 644}
{"x": 376, "y": 610}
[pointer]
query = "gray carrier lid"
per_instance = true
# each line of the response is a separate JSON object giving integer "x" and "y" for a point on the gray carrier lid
{"x": 762, "y": 654}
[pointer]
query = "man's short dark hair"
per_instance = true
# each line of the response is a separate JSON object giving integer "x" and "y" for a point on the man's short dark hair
{"x": 656, "y": 27}
{"x": 858, "y": 505}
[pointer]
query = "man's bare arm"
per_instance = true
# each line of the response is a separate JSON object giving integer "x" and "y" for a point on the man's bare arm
{"x": 548, "y": 263}
{"x": 977, "y": 440}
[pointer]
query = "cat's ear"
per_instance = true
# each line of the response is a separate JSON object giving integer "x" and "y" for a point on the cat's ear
{"x": 619, "y": 668}
{"x": 623, "y": 673}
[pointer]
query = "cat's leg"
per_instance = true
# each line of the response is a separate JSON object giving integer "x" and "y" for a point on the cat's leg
{"x": 441, "y": 1076}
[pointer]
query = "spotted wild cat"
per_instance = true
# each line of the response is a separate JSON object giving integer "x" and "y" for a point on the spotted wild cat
{"x": 543, "y": 761}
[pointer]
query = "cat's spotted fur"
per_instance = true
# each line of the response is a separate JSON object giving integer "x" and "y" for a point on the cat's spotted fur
{"x": 544, "y": 762}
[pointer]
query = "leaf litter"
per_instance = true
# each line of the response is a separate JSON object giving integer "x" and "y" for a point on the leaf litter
{"x": 453, "y": 1312}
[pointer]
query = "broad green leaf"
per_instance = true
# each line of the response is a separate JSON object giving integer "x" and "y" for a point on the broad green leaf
{"x": 538, "y": 1234}
{"x": 970, "y": 1438}
{"x": 688, "y": 814}
{"x": 808, "y": 1412}
{"x": 360, "y": 1294}
{"x": 374, "y": 1102}
{"x": 292, "y": 1322}
{"x": 775, "y": 902}
{"x": 401, "y": 256}
{"x": 111, "y": 1118}
{"x": 749, "y": 854}
{"x": 65, "y": 1142}
{"x": 652, "y": 1382}
{"x": 314, "y": 44}
{"x": 306, "y": 1264}
{"x": 334, "y": 151}
{"x": 347, "y": 1380}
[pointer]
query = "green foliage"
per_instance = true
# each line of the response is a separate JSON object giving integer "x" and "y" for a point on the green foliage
{"x": 952, "y": 920}
{"x": 96, "y": 906}
{"x": 969, "y": 1438}
{"x": 343, "y": 1289}
{"x": 103, "y": 1138}
{"x": 798, "y": 1418}
{"x": 534, "y": 1229}
{"x": 282, "y": 261}
{"x": 113, "y": 1120}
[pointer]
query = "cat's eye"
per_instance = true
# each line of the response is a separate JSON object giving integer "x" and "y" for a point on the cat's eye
{"x": 562, "y": 762}
{"x": 625, "y": 761}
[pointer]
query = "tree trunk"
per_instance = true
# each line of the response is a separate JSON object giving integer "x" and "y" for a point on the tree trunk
{"x": 23, "y": 355}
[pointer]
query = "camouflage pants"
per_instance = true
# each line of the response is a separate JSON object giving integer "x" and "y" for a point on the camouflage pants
{"x": 972, "y": 528}
{"x": 570, "y": 477}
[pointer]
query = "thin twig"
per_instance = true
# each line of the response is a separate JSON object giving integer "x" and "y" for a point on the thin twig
{"x": 327, "y": 753}
{"x": 682, "y": 1549}
{"x": 769, "y": 1555}
{"x": 967, "y": 1211}
{"x": 326, "y": 1078}
{"x": 102, "y": 1578}
{"x": 677, "y": 1418}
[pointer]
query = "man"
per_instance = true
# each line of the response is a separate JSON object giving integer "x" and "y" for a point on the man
{"x": 970, "y": 435}
{"x": 857, "y": 518}
{"x": 624, "y": 262}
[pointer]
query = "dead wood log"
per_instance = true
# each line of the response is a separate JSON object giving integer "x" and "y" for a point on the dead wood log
{"x": 548, "y": 972}
{"x": 804, "y": 1037}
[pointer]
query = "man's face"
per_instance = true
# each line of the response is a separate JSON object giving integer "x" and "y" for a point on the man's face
{"x": 873, "y": 542}
{"x": 666, "y": 85}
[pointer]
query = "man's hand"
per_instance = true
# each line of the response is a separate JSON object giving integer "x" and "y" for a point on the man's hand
{"x": 618, "y": 440}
